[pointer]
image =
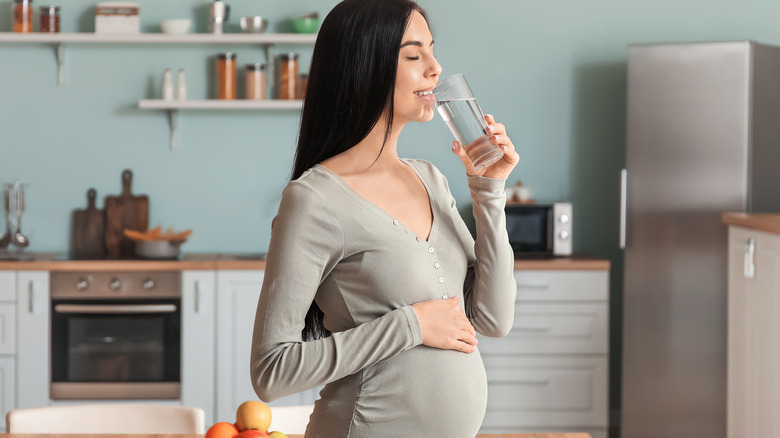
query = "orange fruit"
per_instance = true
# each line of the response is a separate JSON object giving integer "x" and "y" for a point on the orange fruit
{"x": 222, "y": 429}
{"x": 253, "y": 414}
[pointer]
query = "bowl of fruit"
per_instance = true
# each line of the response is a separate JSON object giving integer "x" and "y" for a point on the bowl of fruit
{"x": 253, "y": 418}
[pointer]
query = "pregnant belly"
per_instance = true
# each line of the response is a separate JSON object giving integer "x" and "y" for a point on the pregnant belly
{"x": 422, "y": 392}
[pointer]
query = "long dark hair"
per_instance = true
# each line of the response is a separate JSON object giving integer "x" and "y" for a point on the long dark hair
{"x": 351, "y": 85}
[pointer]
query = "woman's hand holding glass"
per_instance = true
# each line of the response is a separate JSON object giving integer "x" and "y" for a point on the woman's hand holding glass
{"x": 445, "y": 326}
{"x": 501, "y": 168}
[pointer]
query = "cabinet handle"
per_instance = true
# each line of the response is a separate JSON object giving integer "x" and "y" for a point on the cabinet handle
{"x": 197, "y": 296}
{"x": 31, "y": 297}
{"x": 531, "y": 328}
{"x": 623, "y": 207}
{"x": 750, "y": 267}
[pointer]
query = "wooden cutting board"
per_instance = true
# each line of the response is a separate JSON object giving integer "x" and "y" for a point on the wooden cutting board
{"x": 125, "y": 212}
{"x": 89, "y": 239}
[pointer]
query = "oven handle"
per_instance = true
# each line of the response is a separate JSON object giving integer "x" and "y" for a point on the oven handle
{"x": 115, "y": 308}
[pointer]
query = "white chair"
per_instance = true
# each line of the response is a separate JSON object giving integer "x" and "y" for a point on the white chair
{"x": 291, "y": 420}
{"x": 107, "y": 418}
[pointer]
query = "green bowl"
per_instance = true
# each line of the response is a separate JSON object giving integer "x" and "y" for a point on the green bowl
{"x": 305, "y": 24}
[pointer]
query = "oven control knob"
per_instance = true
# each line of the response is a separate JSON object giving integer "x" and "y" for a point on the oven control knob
{"x": 564, "y": 219}
{"x": 115, "y": 284}
{"x": 82, "y": 284}
{"x": 149, "y": 284}
{"x": 563, "y": 235}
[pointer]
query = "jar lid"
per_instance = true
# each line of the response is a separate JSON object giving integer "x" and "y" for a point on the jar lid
{"x": 227, "y": 56}
{"x": 288, "y": 56}
{"x": 256, "y": 66}
{"x": 50, "y": 9}
{"x": 22, "y": 1}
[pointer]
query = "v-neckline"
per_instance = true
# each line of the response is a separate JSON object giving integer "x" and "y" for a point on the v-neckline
{"x": 431, "y": 202}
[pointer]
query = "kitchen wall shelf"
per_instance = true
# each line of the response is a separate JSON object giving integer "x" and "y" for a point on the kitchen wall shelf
{"x": 268, "y": 41}
{"x": 173, "y": 107}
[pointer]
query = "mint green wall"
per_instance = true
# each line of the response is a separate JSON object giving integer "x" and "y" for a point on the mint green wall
{"x": 554, "y": 72}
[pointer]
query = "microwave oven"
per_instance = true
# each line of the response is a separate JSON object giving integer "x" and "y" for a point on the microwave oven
{"x": 540, "y": 228}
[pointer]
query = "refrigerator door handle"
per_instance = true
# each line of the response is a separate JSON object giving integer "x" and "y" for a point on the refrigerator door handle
{"x": 623, "y": 188}
{"x": 750, "y": 267}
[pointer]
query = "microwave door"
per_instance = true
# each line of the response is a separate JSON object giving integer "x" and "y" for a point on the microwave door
{"x": 530, "y": 229}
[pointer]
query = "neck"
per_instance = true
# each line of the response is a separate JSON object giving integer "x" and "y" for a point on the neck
{"x": 366, "y": 156}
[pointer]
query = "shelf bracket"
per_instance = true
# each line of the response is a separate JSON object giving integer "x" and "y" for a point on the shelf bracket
{"x": 59, "y": 50}
{"x": 173, "y": 116}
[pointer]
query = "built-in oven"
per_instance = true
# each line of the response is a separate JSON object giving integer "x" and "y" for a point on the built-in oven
{"x": 115, "y": 335}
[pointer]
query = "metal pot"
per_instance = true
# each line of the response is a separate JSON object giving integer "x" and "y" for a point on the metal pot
{"x": 158, "y": 249}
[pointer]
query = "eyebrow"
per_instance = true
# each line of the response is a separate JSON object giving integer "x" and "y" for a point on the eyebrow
{"x": 413, "y": 43}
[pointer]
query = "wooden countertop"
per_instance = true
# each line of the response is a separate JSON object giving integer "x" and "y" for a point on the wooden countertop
{"x": 210, "y": 262}
{"x": 481, "y": 435}
{"x": 769, "y": 222}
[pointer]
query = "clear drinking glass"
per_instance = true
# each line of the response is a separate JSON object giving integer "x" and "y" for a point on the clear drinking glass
{"x": 460, "y": 110}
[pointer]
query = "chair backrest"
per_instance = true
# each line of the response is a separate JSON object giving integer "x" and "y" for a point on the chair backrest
{"x": 291, "y": 420}
{"x": 107, "y": 418}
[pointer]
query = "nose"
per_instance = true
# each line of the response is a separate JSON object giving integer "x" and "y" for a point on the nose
{"x": 434, "y": 69}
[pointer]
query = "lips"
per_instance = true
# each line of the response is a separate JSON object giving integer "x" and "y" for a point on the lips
{"x": 426, "y": 94}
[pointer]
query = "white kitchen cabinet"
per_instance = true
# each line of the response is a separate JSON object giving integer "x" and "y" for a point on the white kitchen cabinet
{"x": 753, "y": 330}
{"x": 32, "y": 317}
{"x": 7, "y": 286}
{"x": 550, "y": 373}
{"x": 237, "y": 296}
{"x": 198, "y": 325}
{"x": 7, "y": 386}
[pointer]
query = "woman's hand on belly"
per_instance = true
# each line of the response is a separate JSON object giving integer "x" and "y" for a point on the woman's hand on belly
{"x": 445, "y": 326}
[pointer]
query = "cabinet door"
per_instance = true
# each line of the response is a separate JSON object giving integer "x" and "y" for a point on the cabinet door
{"x": 7, "y": 286}
{"x": 7, "y": 328}
{"x": 7, "y": 392}
{"x": 32, "y": 316}
{"x": 198, "y": 319}
{"x": 741, "y": 288}
{"x": 763, "y": 350}
{"x": 237, "y": 295}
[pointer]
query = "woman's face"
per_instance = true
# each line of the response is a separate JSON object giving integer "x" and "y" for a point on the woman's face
{"x": 418, "y": 72}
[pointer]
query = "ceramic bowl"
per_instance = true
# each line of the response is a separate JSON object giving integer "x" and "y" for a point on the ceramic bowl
{"x": 256, "y": 24}
{"x": 176, "y": 26}
{"x": 306, "y": 24}
{"x": 158, "y": 249}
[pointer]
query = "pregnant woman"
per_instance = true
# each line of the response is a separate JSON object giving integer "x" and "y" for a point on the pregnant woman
{"x": 374, "y": 286}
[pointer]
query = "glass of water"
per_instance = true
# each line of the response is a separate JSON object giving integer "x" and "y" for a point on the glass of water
{"x": 460, "y": 110}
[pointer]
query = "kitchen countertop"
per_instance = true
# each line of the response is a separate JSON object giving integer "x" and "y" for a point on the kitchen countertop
{"x": 209, "y": 262}
{"x": 481, "y": 435}
{"x": 769, "y": 222}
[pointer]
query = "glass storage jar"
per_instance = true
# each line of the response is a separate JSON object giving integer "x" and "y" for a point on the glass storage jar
{"x": 23, "y": 16}
{"x": 288, "y": 76}
{"x": 226, "y": 76}
{"x": 254, "y": 81}
{"x": 50, "y": 19}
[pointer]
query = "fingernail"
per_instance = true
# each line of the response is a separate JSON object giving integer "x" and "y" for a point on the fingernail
{"x": 476, "y": 341}
{"x": 490, "y": 128}
{"x": 497, "y": 137}
{"x": 455, "y": 297}
{"x": 503, "y": 148}
{"x": 474, "y": 349}
{"x": 454, "y": 146}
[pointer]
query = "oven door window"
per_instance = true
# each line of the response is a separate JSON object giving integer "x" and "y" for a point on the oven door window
{"x": 116, "y": 341}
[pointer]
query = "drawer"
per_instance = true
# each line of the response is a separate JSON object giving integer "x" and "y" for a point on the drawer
{"x": 562, "y": 285}
{"x": 7, "y": 328}
{"x": 536, "y": 391}
{"x": 7, "y": 286}
{"x": 553, "y": 329}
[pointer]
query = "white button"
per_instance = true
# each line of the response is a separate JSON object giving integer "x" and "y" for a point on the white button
{"x": 441, "y": 279}
{"x": 444, "y": 297}
{"x": 395, "y": 222}
{"x": 564, "y": 219}
{"x": 406, "y": 230}
{"x": 564, "y": 235}
{"x": 430, "y": 249}
{"x": 436, "y": 265}
{"x": 419, "y": 239}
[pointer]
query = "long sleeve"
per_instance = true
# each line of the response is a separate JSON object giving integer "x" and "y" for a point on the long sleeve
{"x": 307, "y": 242}
{"x": 489, "y": 289}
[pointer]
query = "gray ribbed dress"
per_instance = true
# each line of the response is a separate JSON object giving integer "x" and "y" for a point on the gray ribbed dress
{"x": 365, "y": 269}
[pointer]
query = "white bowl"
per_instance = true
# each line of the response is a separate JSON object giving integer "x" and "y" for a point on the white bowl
{"x": 176, "y": 26}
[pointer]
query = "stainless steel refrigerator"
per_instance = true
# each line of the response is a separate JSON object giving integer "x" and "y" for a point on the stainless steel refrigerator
{"x": 703, "y": 137}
